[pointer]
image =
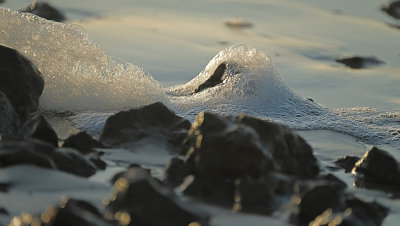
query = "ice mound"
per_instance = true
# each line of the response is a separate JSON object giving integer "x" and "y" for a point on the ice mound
{"x": 251, "y": 85}
{"x": 79, "y": 76}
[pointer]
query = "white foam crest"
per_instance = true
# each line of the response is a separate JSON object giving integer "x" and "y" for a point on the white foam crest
{"x": 253, "y": 86}
{"x": 78, "y": 75}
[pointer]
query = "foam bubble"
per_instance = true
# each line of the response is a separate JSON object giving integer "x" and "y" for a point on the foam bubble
{"x": 78, "y": 75}
{"x": 253, "y": 86}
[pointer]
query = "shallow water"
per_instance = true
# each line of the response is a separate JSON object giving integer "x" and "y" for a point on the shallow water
{"x": 124, "y": 54}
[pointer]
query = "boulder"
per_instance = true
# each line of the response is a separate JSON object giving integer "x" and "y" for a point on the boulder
{"x": 3, "y": 211}
{"x": 4, "y": 187}
{"x": 359, "y": 62}
{"x": 393, "y": 9}
{"x": 241, "y": 162}
{"x": 377, "y": 169}
{"x": 37, "y": 127}
{"x": 323, "y": 202}
{"x": 347, "y": 162}
{"x": 9, "y": 121}
{"x": 354, "y": 212}
{"x": 82, "y": 142}
{"x": 139, "y": 199}
{"x": 20, "y": 81}
{"x": 154, "y": 122}
{"x": 45, "y": 10}
{"x": 69, "y": 212}
{"x": 290, "y": 152}
{"x": 43, "y": 154}
{"x": 246, "y": 147}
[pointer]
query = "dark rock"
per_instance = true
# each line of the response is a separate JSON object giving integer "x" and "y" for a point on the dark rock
{"x": 45, "y": 10}
{"x": 4, "y": 187}
{"x": 354, "y": 212}
{"x": 358, "y": 62}
{"x": 175, "y": 172}
{"x": 37, "y": 127}
{"x": 318, "y": 200}
{"x": 347, "y": 163}
{"x": 39, "y": 153}
{"x": 216, "y": 151}
{"x": 393, "y": 9}
{"x": 242, "y": 162}
{"x": 364, "y": 213}
{"x": 20, "y": 81}
{"x": 2, "y": 1}
{"x": 153, "y": 121}
{"x": 219, "y": 192}
{"x": 334, "y": 181}
{"x": 3, "y": 211}
{"x": 144, "y": 201}
{"x": 215, "y": 79}
{"x": 82, "y": 142}
{"x": 254, "y": 197}
{"x": 9, "y": 121}
{"x": 291, "y": 153}
{"x": 69, "y": 212}
{"x": 377, "y": 169}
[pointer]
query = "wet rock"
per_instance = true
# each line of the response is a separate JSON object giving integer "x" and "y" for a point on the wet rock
{"x": 242, "y": 162}
{"x": 82, "y": 142}
{"x": 219, "y": 192}
{"x": 139, "y": 199}
{"x": 215, "y": 79}
{"x": 254, "y": 197}
{"x": 347, "y": 162}
{"x": 354, "y": 212}
{"x": 9, "y": 121}
{"x": 69, "y": 212}
{"x": 332, "y": 180}
{"x": 154, "y": 121}
{"x": 311, "y": 204}
{"x": 291, "y": 153}
{"x": 42, "y": 154}
{"x": 44, "y": 10}
{"x": 4, "y": 187}
{"x": 359, "y": 62}
{"x": 175, "y": 172}
{"x": 20, "y": 81}
{"x": 393, "y": 9}
{"x": 220, "y": 148}
{"x": 39, "y": 128}
{"x": 377, "y": 169}
{"x": 3, "y": 211}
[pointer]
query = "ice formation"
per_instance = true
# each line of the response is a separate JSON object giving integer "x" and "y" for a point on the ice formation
{"x": 79, "y": 76}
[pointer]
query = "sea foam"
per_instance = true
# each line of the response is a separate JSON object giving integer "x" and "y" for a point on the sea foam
{"x": 78, "y": 75}
{"x": 82, "y": 79}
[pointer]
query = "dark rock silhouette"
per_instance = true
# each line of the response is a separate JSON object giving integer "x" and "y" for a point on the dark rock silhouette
{"x": 393, "y": 9}
{"x": 359, "y": 62}
{"x": 82, "y": 142}
{"x": 145, "y": 201}
{"x": 20, "y": 81}
{"x": 379, "y": 170}
{"x": 43, "y": 154}
{"x": 37, "y": 127}
{"x": 215, "y": 79}
{"x": 154, "y": 121}
{"x": 9, "y": 121}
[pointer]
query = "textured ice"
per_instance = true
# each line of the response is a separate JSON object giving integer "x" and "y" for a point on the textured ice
{"x": 79, "y": 76}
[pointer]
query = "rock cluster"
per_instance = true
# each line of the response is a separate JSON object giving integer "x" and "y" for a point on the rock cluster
{"x": 239, "y": 162}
